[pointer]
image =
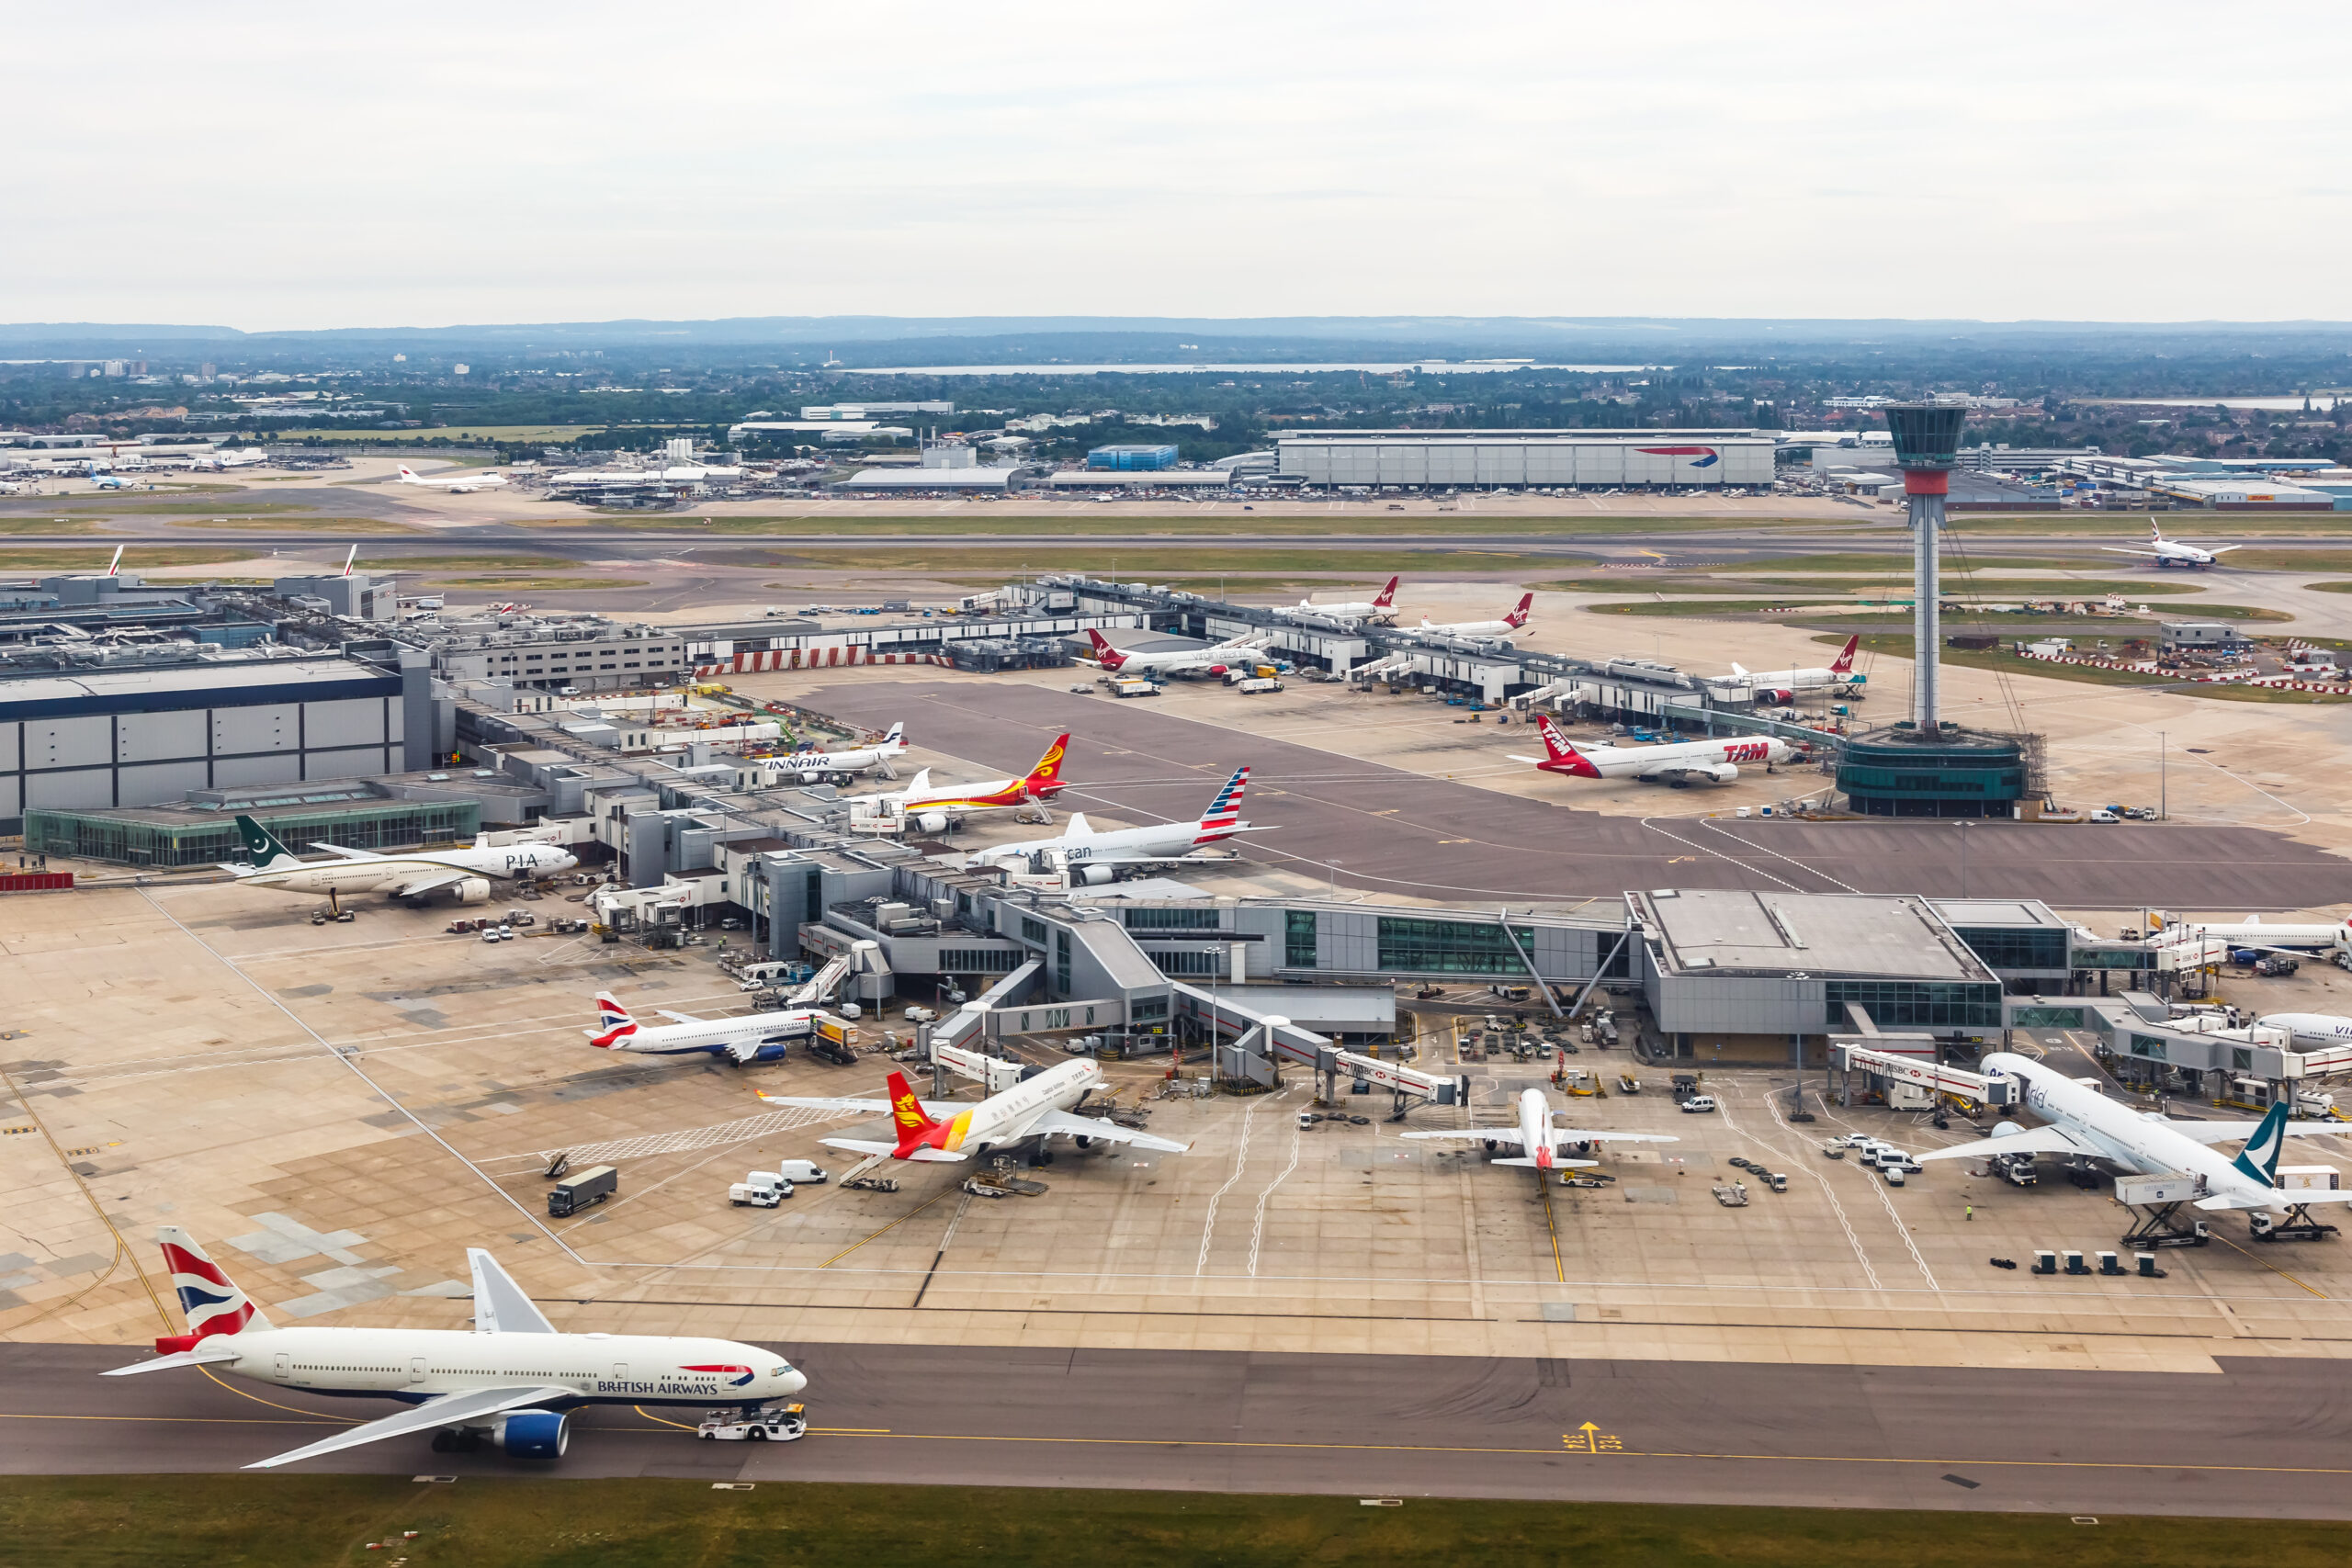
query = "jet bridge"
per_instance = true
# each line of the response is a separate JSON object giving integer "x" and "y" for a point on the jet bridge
{"x": 1266, "y": 1038}
{"x": 1926, "y": 1074}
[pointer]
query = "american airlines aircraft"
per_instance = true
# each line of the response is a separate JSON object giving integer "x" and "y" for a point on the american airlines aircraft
{"x": 1677, "y": 764}
{"x": 1092, "y": 858}
{"x": 1382, "y": 607}
{"x": 1542, "y": 1145}
{"x": 935, "y": 809}
{"x": 932, "y": 1131}
{"x": 1184, "y": 662}
{"x": 513, "y": 1379}
{"x": 466, "y": 872}
{"x": 2172, "y": 552}
{"x": 456, "y": 484}
{"x": 1504, "y": 627}
{"x": 2081, "y": 1121}
{"x": 816, "y": 767}
{"x": 756, "y": 1037}
{"x": 1782, "y": 685}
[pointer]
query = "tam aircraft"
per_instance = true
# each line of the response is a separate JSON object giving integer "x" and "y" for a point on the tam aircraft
{"x": 1677, "y": 764}
{"x": 1504, "y": 627}
{"x": 1036, "y": 1106}
{"x": 1094, "y": 858}
{"x": 1782, "y": 685}
{"x": 514, "y": 1379}
{"x": 933, "y": 809}
{"x": 466, "y": 872}
{"x": 456, "y": 484}
{"x": 2172, "y": 552}
{"x": 1381, "y": 607}
{"x": 1539, "y": 1144}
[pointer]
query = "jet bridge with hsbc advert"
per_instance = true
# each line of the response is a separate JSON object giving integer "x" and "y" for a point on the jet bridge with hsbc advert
{"x": 1922, "y": 1073}
{"x": 1262, "y": 1039}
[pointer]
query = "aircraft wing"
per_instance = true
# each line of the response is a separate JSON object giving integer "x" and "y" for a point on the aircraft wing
{"x": 2127, "y": 550}
{"x": 348, "y": 853}
{"x": 449, "y": 1410}
{"x": 214, "y": 1350}
{"x": 680, "y": 1017}
{"x": 870, "y": 1146}
{"x": 937, "y": 1110}
{"x": 1557, "y": 1164}
{"x": 1109, "y": 1131}
{"x": 426, "y": 881}
{"x": 2237, "y": 1131}
{"x": 1473, "y": 1135}
{"x": 2220, "y": 549}
{"x": 1509, "y": 758}
{"x": 1585, "y": 1136}
{"x": 2051, "y": 1140}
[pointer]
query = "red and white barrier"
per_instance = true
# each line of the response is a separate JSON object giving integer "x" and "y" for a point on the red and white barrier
{"x": 750, "y": 663}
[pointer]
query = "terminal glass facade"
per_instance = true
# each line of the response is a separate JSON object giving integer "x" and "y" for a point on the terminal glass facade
{"x": 2015, "y": 947}
{"x": 133, "y": 841}
{"x": 1918, "y": 1004}
{"x": 1452, "y": 947}
{"x": 1169, "y": 919}
{"x": 1300, "y": 936}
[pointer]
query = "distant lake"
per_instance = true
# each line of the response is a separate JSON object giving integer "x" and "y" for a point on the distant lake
{"x": 1432, "y": 367}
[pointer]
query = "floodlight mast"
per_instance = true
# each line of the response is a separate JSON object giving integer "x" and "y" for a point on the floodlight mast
{"x": 1926, "y": 448}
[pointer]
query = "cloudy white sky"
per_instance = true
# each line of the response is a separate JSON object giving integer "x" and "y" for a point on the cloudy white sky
{"x": 269, "y": 166}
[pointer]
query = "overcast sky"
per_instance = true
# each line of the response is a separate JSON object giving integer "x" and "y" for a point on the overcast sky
{"x": 271, "y": 166}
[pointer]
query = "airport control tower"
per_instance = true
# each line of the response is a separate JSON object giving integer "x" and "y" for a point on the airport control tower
{"x": 1928, "y": 766}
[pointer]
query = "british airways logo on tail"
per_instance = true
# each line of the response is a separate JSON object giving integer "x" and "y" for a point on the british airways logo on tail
{"x": 1702, "y": 457}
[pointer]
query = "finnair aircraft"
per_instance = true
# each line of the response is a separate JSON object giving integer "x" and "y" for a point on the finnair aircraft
{"x": 2081, "y": 1121}
{"x": 1504, "y": 627}
{"x": 932, "y": 1131}
{"x": 466, "y": 872}
{"x": 1381, "y": 607}
{"x": 1678, "y": 764}
{"x": 1092, "y": 858}
{"x": 1781, "y": 685}
{"x": 456, "y": 484}
{"x": 1542, "y": 1145}
{"x": 817, "y": 767}
{"x": 2172, "y": 552}
{"x": 513, "y": 1379}
{"x": 757, "y": 1037}
{"x": 1215, "y": 660}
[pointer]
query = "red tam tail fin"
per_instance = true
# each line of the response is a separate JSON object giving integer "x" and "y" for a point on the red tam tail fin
{"x": 1844, "y": 661}
{"x": 1388, "y": 599}
{"x": 1564, "y": 758}
{"x": 1518, "y": 618}
{"x": 1104, "y": 654}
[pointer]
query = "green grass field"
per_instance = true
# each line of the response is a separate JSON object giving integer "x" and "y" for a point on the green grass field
{"x": 1122, "y": 523}
{"x": 66, "y": 558}
{"x": 313, "y": 1521}
{"x": 46, "y": 526}
{"x": 534, "y": 584}
{"x": 310, "y": 524}
{"x": 1140, "y": 563}
{"x": 1898, "y": 645}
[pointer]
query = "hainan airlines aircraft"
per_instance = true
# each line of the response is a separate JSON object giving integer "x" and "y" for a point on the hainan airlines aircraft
{"x": 757, "y": 1037}
{"x": 513, "y": 1379}
{"x": 1504, "y": 627}
{"x": 1382, "y": 608}
{"x": 2083, "y": 1122}
{"x": 1093, "y": 858}
{"x": 931, "y": 1131}
{"x": 934, "y": 809}
{"x": 466, "y": 872}
{"x": 1182, "y": 661}
{"x": 456, "y": 484}
{"x": 1782, "y": 685}
{"x": 1542, "y": 1145}
{"x": 1678, "y": 764}
{"x": 2172, "y": 552}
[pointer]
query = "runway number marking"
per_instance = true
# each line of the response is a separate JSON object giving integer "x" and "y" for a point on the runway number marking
{"x": 1590, "y": 1440}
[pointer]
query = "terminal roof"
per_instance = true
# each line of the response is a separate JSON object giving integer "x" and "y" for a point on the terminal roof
{"x": 1712, "y": 932}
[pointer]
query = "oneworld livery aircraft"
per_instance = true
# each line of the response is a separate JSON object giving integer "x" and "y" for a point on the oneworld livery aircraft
{"x": 1091, "y": 857}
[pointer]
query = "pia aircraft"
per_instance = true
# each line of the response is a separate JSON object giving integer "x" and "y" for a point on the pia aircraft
{"x": 1782, "y": 685}
{"x": 938, "y": 1131}
{"x": 1678, "y": 764}
{"x": 1382, "y": 607}
{"x": 466, "y": 872}
{"x": 1504, "y": 627}
{"x": 1093, "y": 858}
{"x": 513, "y": 1379}
{"x": 2079, "y": 1120}
{"x": 816, "y": 767}
{"x": 2172, "y": 552}
{"x": 1241, "y": 651}
{"x": 757, "y": 1037}
{"x": 1542, "y": 1145}
{"x": 454, "y": 484}
{"x": 933, "y": 809}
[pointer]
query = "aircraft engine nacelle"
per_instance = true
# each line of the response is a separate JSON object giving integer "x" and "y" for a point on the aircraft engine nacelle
{"x": 533, "y": 1434}
{"x": 933, "y": 822}
{"x": 1095, "y": 875}
{"x": 744, "y": 1052}
{"x": 1776, "y": 697}
{"x": 1216, "y": 668}
{"x": 2004, "y": 1130}
{"x": 808, "y": 777}
{"x": 474, "y": 890}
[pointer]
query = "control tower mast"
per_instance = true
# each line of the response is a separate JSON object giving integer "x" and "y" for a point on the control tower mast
{"x": 1927, "y": 446}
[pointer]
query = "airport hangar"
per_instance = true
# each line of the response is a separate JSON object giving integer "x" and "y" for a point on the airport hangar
{"x": 1527, "y": 460}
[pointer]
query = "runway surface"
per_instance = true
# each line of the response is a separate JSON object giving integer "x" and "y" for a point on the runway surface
{"x": 1392, "y": 831}
{"x": 2265, "y": 1438}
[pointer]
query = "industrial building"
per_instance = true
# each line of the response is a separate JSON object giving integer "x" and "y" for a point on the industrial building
{"x": 1203, "y": 479}
{"x": 588, "y": 652}
{"x": 1132, "y": 455}
{"x": 1524, "y": 459}
{"x": 866, "y": 411}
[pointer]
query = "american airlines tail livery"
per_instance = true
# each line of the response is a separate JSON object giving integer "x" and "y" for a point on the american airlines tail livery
{"x": 1092, "y": 858}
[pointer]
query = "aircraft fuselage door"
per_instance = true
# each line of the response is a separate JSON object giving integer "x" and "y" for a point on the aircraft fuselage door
{"x": 285, "y": 1364}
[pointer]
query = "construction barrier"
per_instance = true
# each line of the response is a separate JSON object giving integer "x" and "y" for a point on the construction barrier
{"x": 36, "y": 881}
{"x": 749, "y": 663}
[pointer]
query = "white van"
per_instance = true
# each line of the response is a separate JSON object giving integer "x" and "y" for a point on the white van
{"x": 1699, "y": 1104}
{"x": 801, "y": 1172}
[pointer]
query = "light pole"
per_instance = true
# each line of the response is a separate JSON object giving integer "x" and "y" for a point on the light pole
{"x": 2164, "y": 793}
{"x": 1334, "y": 868}
{"x": 1963, "y": 860}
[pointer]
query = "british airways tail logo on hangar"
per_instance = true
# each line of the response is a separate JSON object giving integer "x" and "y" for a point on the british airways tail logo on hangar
{"x": 1703, "y": 457}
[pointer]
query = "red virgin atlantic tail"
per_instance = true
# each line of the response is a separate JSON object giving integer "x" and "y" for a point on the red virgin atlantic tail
{"x": 1104, "y": 654}
{"x": 1844, "y": 663}
{"x": 1386, "y": 599}
{"x": 1518, "y": 618}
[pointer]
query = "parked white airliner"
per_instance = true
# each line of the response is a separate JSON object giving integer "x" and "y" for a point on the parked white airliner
{"x": 1381, "y": 607}
{"x": 1782, "y": 685}
{"x": 954, "y": 1130}
{"x": 817, "y": 767}
{"x": 1091, "y": 857}
{"x": 755, "y": 1037}
{"x": 513, "y": 1379}
{"x": 1513, "y": 622}
{"x": 465, "y": 871}
{"x": 2172, "y": 552}
{"x": 456, "y": 484}
{"x": 1241, "y": 651}
{"x": 1677, "y": 764}
{"x": 2079, "y": 1120}
{"x": 1543, "y": 1145}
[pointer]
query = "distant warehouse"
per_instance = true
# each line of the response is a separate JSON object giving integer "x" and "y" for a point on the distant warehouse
{"x": 1433, "y": 459}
